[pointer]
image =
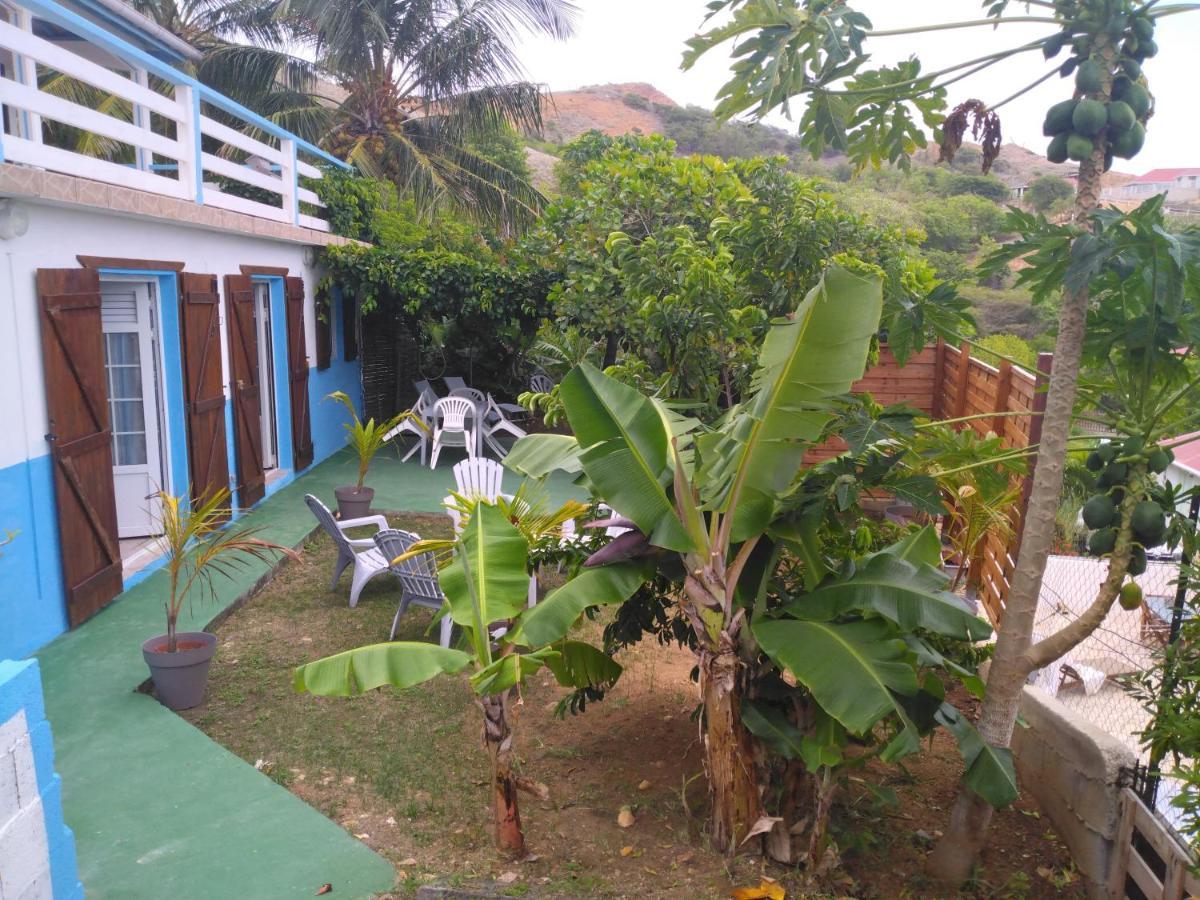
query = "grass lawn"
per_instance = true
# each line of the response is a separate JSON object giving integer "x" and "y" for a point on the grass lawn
{"x": 405, "y": 772}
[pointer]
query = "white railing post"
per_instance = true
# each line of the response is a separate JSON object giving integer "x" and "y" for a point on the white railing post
{"x": 31, "y": 122}
{"x": 191, "y": 168}
{"x": 141, "y": 118}
{"x": 291, "y": 181}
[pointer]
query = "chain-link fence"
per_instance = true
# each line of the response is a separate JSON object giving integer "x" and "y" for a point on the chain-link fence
{"x": 1088, "y": 679}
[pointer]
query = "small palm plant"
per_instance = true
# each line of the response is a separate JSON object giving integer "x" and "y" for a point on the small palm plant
{"x": 367, "y": 438}
{"x": 199, "y": 547}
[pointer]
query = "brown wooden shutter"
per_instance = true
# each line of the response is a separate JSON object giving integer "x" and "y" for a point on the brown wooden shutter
{"x": 324, "y": 312}
{"x": 302, "y": 448}
{"x": 200, "y": 318}
{"x": 245, "y": 385}
{"x": 349, "y": 329}
{"x": 80, "y": 438}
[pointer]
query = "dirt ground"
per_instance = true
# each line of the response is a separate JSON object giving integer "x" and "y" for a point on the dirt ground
{"x": 405, "y": 773}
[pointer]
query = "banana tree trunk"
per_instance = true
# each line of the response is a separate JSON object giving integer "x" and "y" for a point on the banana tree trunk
{"x": 497, "y": 738}
{"x": 728, "y": 752}
{"x": 956, "y": 854}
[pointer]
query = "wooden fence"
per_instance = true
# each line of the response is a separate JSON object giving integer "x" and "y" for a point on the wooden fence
{"x": 949, "y": 383}
{"x": 1149, "y": 858}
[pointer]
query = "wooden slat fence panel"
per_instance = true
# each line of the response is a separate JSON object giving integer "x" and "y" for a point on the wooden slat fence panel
{"x": 1149, "y": 856}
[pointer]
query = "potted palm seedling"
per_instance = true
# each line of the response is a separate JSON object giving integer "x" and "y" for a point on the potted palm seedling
{"x": 354, "y": 500}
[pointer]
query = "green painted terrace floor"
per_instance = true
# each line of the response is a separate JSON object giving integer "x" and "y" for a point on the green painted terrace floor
{"x": 158, "y": 809}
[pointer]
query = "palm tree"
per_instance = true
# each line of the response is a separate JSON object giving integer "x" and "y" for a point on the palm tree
{"x": 397, "y": 87}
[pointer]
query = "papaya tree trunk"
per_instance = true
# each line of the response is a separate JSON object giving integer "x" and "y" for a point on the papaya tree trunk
{"x": 956, "y": 854}
{"x": 728, "y": 751}
{"x": 497, "y": 738}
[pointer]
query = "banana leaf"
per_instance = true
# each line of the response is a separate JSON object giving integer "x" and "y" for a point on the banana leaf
{"x": 990, "y": 771}
{"x": 554, "y": 616}
{"x": 806, "y": 360}
{"x": 852, "y": 670}
{"x": 626, "y": 451}
{"x": 401, "y": 664}
{"x": 536, "y": 455}
{"x": 487, "y": 581}
{"x": 911, "y": 596}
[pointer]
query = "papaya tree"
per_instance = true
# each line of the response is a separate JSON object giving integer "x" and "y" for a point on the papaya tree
{"x": 746, "y": 538}
{"x": 486, "y": 584}
{"x": 819, "y": 50}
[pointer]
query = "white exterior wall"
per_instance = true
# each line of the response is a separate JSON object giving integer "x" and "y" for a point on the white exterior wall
{"x": 55, "y": 236}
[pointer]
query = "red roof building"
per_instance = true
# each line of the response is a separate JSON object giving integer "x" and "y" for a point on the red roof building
{"x": 1181, "y": 184}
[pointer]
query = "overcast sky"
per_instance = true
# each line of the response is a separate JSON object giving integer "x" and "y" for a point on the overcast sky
{"x": 643, "y": 40}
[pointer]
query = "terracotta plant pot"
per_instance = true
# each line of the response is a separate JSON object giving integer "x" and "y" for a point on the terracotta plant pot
{"x": 353, "y": 504}
{"x": 180, "y": 677}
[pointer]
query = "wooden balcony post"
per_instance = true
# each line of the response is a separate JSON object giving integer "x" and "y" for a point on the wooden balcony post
{"x": 30, "y": 122}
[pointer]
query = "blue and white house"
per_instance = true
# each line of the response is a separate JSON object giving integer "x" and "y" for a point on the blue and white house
{"x": 158, "y": 327}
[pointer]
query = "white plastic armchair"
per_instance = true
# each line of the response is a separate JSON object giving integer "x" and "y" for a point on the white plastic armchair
{"x": 361, "y": 553}
{"x": 418, "y": 578}
{"x": 454, "y": 383}
{"x": 423, "y": 411}
{"x": 479, "y": 477}
{"x": 541, "y": 383}
{"x": 494, "y": 423}
{"x": 450, "y": 428}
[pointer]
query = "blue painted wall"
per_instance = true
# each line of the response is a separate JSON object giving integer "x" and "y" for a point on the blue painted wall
{"x": 328, "y": 417}
{"x": 32, "y": 603}
{"x": 21, "y": 689}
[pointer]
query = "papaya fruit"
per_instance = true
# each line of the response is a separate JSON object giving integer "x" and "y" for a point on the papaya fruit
{"x": 1131, "y": 67}
{"x": 1158, "y": 461}
{"x": 1089, "y": 118}
{"x": 1130, "y": 597}
{"x": 1132, "y": 445}
{"x": 1107, "y": 452}
{"x": 1099, "y": 512}
{"x": 1058, "y": 118}
{"x": 1079, "y": 147}
{"x": 1089, "y": 77}
{"x": 1143, "y": 28}
{"x": 1138, "y": 98}
{"x": 1147, "y": 49}
{"x": 1114, "y": 473}
{"x": 1148, "y": 523}
{"x": 1057, "y": 151}
{"x": 1054, "y": 45}
{"x": 1127, "y": 144}
{"x": 1137, "y": 561}
{"x": 1094, "y": 461}
{"x": 1120, "y": 87}
{"x": 1102, "y": 541}
{"x": 1108, "y": 158}
{"x": 1120, "y": 117}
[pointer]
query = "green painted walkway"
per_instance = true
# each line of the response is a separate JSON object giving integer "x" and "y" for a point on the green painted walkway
{"x": 158, "y": 809}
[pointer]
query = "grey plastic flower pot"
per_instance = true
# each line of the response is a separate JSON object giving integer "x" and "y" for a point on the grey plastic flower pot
{"x": 353, "y": 504}
{"x": 180, "y": 677}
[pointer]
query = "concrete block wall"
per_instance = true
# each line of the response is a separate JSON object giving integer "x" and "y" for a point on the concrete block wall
{"x": 1073, "y": 769}
{"x": 37, "y": 850}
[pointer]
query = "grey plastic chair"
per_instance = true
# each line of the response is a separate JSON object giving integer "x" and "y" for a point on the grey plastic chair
{"x": 418, "y": 578}
{"x": 361, "y": 553}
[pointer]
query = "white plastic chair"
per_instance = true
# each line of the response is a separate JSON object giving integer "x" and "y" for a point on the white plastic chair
{"x": 454, "y": 383}
{"x": 426, "y": 392}
{"x": 358, "y": 552}
{"x": 450, "y": 428}
{"x": 422, "y": 410}
{"x": 479, "y": 477}
{"x": 418, "y": 578}
{"x": 541, "y": 383}
{"x": 494, "y": 422}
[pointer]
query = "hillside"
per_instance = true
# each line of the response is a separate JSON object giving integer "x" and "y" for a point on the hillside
{"x": 641, "y": 108}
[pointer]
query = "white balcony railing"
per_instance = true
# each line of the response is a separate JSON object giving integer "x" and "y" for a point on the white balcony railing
{"x": 169, "y": 140}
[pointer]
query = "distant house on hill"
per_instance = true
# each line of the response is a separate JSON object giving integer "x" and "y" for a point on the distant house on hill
{"x": 1177, "y": 184}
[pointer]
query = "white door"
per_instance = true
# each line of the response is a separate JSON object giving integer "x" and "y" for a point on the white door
{"x": 266, "y": 376}
{"x": 128, "y": 316}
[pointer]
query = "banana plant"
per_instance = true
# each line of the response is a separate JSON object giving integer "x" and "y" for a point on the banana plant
{"x": 485, "y": 583}
{"x": 725, "y": 512}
